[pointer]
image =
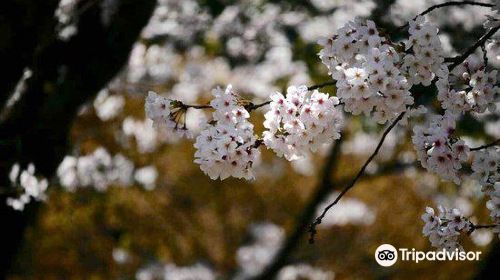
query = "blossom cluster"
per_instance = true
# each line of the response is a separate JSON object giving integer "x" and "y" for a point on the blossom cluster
{"x": 266, "y": 240}
{"x": 425, "y": 53}
{"x": 157, "y": 109}
{"x": 227, "y": 146}
{"x": 100, "y": 170}
{"x": 300, "y": 122}
{"x": 142, "y": 131}
{"x": 468, "y": 88}
{"x": 444, "y": 229}
{"x": 304, "y": 271}
{"x": 252, "y": 258}
{"x": 438, "y": 149}
{"x": 31, "y": 186}
{"x": 171, "y": 271}
{"x": 108, "y": 106}
{"x": 166, "y": 114}
{"x": 493, "y": 49}
{"x": 486, "y": 167}
{"x": 493, "y": 204}
{"x": 367, "y": 69}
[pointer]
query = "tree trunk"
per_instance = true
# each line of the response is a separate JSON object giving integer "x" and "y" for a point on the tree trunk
{"x": 65, "y": 75}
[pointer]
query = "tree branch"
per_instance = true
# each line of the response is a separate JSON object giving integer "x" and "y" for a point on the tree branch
{"x": 461, "y": 58}
{"x": 447, "y": 4}
{"x": 324, "y": 188}
{"x": 473, "y": 227}
{"x": 457, "y": 61}
{"x": 251, "y": 106}
{"x": 319, "y": 219}
{"x": 494, "y": 143}
{"x": 483, "y": 226}
{"x": 321, "y": 85}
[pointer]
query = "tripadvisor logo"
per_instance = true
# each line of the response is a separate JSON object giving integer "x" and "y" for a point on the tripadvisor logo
{"x": 387, "y": 255}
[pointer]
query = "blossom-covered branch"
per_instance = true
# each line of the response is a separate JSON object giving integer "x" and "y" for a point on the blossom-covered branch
{"x": 444, "y": 228}
{"x": 457, "y": 61}
{"x": 251, "y": 106}
{"x": 373, "y": 76}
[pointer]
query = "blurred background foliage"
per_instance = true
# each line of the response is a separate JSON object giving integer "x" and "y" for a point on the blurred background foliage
{"x": 259, "y": 46}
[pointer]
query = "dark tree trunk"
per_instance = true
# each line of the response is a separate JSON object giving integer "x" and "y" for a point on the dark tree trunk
{"x": 489, "y": 266}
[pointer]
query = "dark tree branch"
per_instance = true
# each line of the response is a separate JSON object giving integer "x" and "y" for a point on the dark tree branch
{"x": 461, "y": 58}
{"x": 473, "y": 227}
{"x": 447, "y": 4}
{"x": 494, "y": 143}
{"x": 321, "y": 85}
{"x": 326, "y": 186}
{"x": 251, "y": 106}
{"x": 293, "y": 240}
{"x": 319, "y": 219}
{"x": 483, "y": 226}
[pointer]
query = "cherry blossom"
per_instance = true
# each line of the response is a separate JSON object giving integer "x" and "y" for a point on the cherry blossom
{"x": 227, "y": 146}
{"x": 301, "y": 122}
{"x": 166, "y": 115}
{"x": 438, "y": 149}
{"x": 444, "y": 228}
{"x": 486, "y": 168}
{"x": 31, "y": 187}
{"x": 101, "y": 170}
{"x": 366, "y": 67}
{"x": 469, "y": 88}
{"x": 425, "y": 53}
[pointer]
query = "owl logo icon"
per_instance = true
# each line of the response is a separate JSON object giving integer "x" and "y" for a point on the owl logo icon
{"x": 386, "y": 255}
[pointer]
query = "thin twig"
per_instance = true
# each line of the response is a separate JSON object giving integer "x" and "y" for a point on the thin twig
{"x": 319, "y": 219}
{"x": 494, "y": 143}
{"x": 473, "y": 227}
{"x": 321, "y": 85}
{"x": 251, "y": 106}
{"x": 196, "y": 106}
{"x": 483, "y": 226}
{"x": 447, "y": 4}
{"x": 461, "y": 58}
